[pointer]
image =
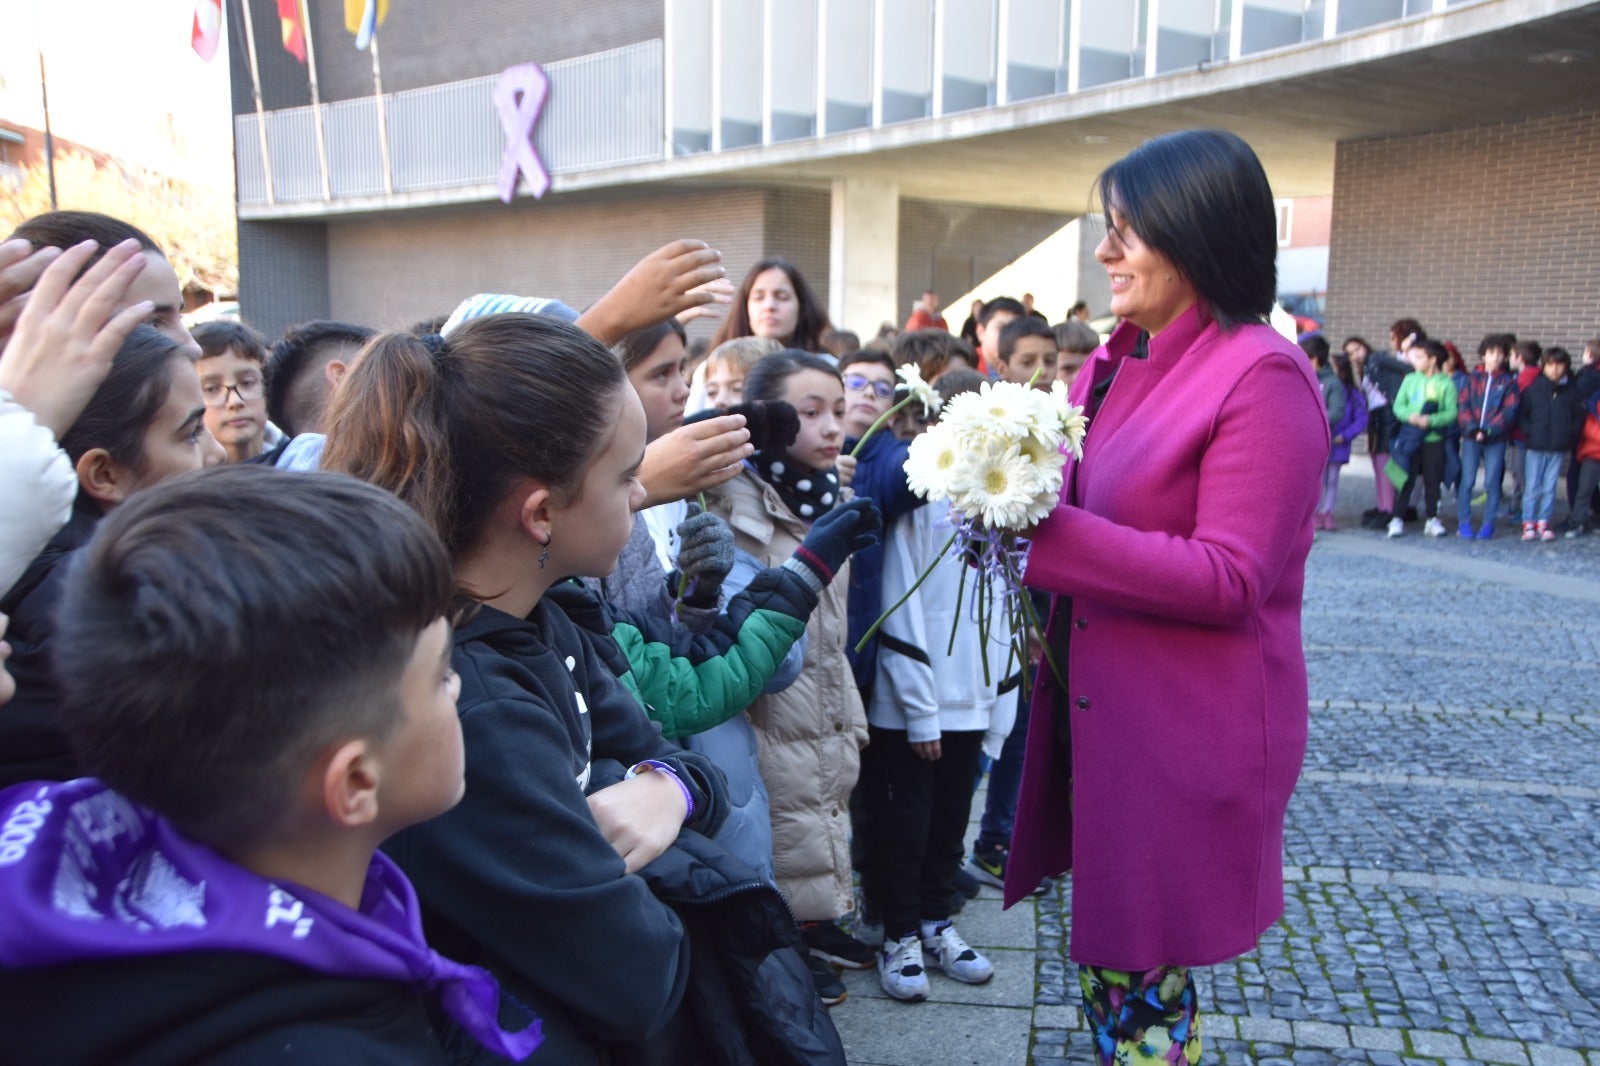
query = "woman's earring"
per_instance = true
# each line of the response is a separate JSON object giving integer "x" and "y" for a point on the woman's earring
{"x": 544, "y": 554}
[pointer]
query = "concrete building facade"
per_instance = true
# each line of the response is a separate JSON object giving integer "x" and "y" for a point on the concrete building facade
{"x": 888, "y": 146}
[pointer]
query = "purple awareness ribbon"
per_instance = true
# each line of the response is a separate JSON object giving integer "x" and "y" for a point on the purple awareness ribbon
{"x": 518, "y": 97}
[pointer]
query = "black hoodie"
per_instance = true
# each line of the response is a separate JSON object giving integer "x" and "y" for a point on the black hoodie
{"x": 517, "y": 877}
{"x": 208, "y": 1007}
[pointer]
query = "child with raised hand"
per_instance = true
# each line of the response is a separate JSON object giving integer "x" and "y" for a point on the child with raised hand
{"x": 934, "y": 708}
{"x": 812, "y": 732}
{"x": 519, "y": 441}
{"x": 142, "y": 426}
{"x": 1486, "y": 410}
{"x": 212, "y": 893}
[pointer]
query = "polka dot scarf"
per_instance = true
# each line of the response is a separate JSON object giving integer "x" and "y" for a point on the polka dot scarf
{"x": 809, "y": 493}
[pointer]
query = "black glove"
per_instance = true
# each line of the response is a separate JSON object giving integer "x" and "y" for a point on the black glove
{"x": 705, "y": 555}
{"x": 834, "y": 537}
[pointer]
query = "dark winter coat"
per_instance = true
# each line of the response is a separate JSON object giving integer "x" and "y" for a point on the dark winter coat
{"x": 517, "y": 877}
{"x": 1488, "y": 402}
{"x": 1550, "y": 414}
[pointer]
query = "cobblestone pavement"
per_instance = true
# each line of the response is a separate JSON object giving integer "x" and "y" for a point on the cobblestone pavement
{"x": 1442, "y": 853}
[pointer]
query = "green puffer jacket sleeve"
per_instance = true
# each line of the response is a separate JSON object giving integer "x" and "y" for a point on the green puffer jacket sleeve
{"x": 690, "y": 682}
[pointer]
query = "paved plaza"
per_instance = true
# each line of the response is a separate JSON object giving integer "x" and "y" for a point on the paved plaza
{"x": 1442, "y": 853}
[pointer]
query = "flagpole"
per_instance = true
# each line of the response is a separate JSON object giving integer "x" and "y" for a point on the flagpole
{"x": 255, "y": 88}
{"x": 316, "y": 98}
{"x": 383, "y": 118}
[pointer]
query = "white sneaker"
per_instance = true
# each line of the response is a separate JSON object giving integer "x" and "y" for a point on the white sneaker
{"x": 955, "y": 957}
{"x": 1433, "y": 528}
{"x": 900, "y": 969}
{"x": 1397, "y": 528}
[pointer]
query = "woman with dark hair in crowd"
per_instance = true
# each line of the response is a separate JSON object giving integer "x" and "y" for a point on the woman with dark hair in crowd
{"x": 775, "y": 301}
{"x": 1176, "y": 563}
{"x": 144, "y": 424}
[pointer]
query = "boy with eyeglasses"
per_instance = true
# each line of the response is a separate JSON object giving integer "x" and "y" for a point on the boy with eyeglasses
{"x": 232, "y": 382}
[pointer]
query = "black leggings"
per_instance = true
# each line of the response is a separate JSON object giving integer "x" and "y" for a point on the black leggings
{"x": 1429, "y": 462}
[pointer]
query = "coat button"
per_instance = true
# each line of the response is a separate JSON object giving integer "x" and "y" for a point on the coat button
{"x": 1082, "y": 622}
{"x": 1083, "y": 703}
{"x": 838, "y": 727}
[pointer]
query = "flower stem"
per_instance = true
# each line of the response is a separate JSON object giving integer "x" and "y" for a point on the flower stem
{"x": 884, "y": 617}
{"x": 890, "y": 413}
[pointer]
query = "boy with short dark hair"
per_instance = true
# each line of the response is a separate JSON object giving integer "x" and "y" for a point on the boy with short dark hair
{"x": 1027, "y": 352}
{"x": 1075, "y": 343}
{"x": 1550, "y": 415}
{"x": 256, "y": 669}
{"x": 232, "y": 368}
{"x": 995, "y": 316}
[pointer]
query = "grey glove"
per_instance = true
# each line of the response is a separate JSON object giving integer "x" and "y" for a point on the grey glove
{"x": 705, "y": 555}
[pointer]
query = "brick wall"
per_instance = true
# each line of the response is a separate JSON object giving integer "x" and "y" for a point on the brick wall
{"x": 1471, "y": 231}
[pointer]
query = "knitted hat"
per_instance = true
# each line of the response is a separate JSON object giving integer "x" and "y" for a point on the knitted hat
{"x": 487, "y": 303}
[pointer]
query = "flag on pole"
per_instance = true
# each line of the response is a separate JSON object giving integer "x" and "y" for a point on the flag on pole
{"x": 207, "y": 29}
{"x": 294, "y": 30}
{"x": 363, "y": 17}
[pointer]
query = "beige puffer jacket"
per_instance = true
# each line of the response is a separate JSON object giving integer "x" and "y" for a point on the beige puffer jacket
{"x": 811, "y": 734}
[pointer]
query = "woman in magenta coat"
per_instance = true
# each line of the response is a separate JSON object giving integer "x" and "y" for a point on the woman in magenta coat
{"x": 1160, "y": 773}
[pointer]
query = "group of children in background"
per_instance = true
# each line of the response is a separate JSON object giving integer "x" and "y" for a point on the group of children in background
{"x": 1432, "y": 424}
{"x": 498, "y": 696}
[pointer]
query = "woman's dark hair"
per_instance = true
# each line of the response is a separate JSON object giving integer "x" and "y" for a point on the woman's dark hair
{"x": 1356, "y": 340}
{"x": 639, "y": 345}
{"x": 808, "y": 327}
{"x": 128, "y": 400}
{"x": 300, "y": 595}
{"x": 449, "y": 425}
{"x": 1342, "y": 367}
{"x": 768, "y": 378}
{"x": 1201, "y": 198}
{"x": 1407, "y": 327}
{"x": 63, "y": 229}
{"x": 219, "y": 335}
{"x": 1452, "y": 358}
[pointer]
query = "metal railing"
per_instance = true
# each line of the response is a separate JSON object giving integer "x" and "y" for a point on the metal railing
{"x": 604, "y": 110}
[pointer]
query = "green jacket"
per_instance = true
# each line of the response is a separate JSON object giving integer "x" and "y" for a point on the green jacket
{"x": 1416, "y": 391}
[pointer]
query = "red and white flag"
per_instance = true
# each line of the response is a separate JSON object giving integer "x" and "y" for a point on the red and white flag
{"x": 207, "y": 31}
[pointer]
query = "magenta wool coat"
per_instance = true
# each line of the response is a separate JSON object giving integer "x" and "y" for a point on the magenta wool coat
{"x": 1176, "y": 562}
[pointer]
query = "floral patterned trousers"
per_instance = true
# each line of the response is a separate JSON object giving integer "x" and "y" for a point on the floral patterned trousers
{"x": 1148, "y": 1017}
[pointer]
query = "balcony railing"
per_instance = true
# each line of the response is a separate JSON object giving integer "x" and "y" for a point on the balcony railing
{"x": 604, "y": 110}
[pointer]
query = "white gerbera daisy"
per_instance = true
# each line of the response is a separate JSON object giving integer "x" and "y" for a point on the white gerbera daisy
{"x": 929, "y": 463}
{"x": 1074, "y": 423}
{"x": 1002, "y": 488}
{"x": 910, "y": 376}
{"x": 998, "y": 412}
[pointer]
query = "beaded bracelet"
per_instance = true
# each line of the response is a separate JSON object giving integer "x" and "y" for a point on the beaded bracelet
{"x": 646, "y": 765}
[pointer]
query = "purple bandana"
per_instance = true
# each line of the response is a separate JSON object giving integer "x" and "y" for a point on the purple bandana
{"x": 87, "y": 874}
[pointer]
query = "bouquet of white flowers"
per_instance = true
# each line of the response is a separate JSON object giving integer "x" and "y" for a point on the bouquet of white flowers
{"x": 996, "y": 455}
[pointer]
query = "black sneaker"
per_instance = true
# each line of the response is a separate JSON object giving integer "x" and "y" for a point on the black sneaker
{"x": 830, "y": 989}
{"x": 965, "y": 883}
{"x": 988, "y": 866}
{"x": 828, "y": 942}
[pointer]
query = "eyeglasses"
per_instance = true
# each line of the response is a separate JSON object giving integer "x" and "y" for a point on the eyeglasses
{"x": 860, "y": 382}
{"x": 216, "y": 394}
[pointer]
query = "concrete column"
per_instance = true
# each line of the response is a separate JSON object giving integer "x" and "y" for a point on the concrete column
{"x": 863, "y": 256}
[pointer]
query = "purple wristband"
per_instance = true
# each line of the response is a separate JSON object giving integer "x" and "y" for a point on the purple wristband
{"x": 657, "y": 764}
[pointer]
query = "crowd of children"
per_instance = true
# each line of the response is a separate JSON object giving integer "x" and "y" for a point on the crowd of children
{"x": 490, "y": 689}
{"x": 1431, "y": 424}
